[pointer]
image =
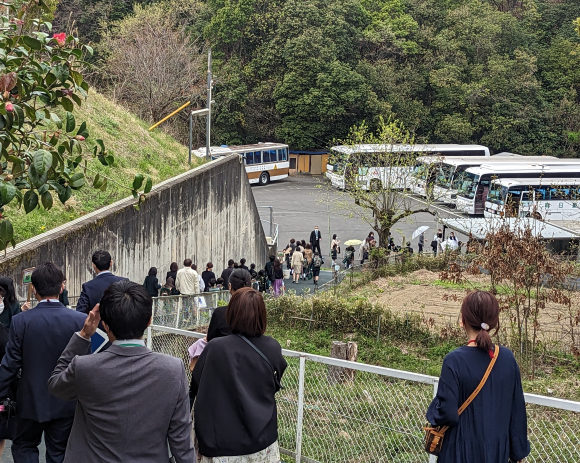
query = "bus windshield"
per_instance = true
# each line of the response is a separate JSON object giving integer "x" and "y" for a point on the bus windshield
{"x": 501, "y": 194}
{"x": 444, "y": 176}
{"x": 466, "y": 184}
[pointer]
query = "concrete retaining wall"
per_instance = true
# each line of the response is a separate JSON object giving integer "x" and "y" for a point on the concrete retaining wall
{"x": 206, "y": 214}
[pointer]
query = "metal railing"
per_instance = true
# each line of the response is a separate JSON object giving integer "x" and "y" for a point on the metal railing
{"x": 187, "y": 312}
{"x": 376, "y": 414}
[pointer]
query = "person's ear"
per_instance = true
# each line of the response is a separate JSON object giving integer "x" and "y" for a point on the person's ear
{"x": 105, "y": 326}
{"x": 62, "y": 287}
{"x": 111, "y": 265}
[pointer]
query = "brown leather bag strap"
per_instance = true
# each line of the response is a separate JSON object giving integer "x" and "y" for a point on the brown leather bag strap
{"x": 478, "y": 388}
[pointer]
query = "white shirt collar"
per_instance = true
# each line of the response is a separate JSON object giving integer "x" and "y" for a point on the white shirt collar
{"x": 104, "y": 271}
{"x": 126, "y": 342}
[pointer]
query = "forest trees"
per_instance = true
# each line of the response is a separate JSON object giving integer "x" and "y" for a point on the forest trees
{"x": 43, "y": 148}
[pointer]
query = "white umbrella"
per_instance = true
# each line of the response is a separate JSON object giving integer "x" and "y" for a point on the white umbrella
{"x": 419, "y": 230}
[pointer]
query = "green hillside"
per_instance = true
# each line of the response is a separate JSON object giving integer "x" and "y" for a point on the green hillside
{"x": 135, "y": 149}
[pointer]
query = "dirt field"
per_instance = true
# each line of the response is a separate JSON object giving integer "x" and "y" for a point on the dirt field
{"x": 421, "y": 292}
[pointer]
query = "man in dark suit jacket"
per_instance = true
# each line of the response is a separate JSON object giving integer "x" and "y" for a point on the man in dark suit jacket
{"x": 315, "y": 239}
{"x": 131, "y": 402}
{"x": 227, "y": 272}
{"x": 93, "y": 290}
{"x": 36, "y": 340}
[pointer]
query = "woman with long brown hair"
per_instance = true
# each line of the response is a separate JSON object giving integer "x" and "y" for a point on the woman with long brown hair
{"x": 493, "y": 427}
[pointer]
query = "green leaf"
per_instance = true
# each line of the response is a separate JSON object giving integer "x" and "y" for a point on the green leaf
{"x": 76, "y": 99}
{"x": 97, "y": 181}
{"x": 77, "y": 181}
{"x": 83, "y": 130}
{"x": 50, "y": 79}
{"x": 65, "y": 194}
{"x": 77, "y": 77}
{"x": 42, "y": 160}
{"x": 101, "y": 145}
{"x": 54, "y": 118}
{"x": 35, "y": 178}
{"x": 7, "y": 192}
{"x": 70, "y": 122}
{"x": 61, "y": 73}
{"x": 30, "y": 201}
{"x": 110, "y": 159}
{"x": 66, "y": 103}
{"x": 19, "y": 119}
{"x": 104, "y": 185}
{"x": 85, "y": 86}
{"x": 31, "y": 42}
{"x": 89, "y": 50}
{"x": 6, "y": 231}
{"x": 46, "y": 200}
{"x": 102, "y": 159}
{"x": 138, "y": 181}
{"x": 148, "y": 185}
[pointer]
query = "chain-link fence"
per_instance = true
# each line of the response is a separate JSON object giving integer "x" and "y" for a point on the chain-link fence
{"x": 332, "y": 410}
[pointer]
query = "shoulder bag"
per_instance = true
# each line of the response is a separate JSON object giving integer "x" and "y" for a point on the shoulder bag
{"x": 434, "y": 435}
{"x": 275, "y": 373}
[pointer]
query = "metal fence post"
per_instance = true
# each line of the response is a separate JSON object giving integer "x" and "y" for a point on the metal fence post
{"x": 149, "y": 337}
{"x": 300, "y": 410}
{"x": 179, "y": 304}
{"x": 379, "y": 330}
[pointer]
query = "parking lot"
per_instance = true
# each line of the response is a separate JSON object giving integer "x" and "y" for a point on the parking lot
{"x": 302, "y": 202}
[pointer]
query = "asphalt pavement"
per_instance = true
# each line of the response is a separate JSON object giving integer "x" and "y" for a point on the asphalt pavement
{"x": 302, "y": 202}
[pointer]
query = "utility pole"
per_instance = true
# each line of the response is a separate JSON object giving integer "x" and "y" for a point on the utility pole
{"x": 209, "y": 103}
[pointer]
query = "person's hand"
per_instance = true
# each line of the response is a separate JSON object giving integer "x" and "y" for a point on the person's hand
{"x": 25, "y": 306}
{"x": 91, "y": 323}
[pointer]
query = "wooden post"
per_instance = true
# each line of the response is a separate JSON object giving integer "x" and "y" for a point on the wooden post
{"x": 338, "y": 351}
{"x": 344, "y": 351}
{"x": 351, "y": 355}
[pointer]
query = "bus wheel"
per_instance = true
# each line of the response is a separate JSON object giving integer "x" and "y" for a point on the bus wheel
{"x": 264, "y": 178}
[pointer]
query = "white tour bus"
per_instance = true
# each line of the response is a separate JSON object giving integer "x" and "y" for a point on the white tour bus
{"x": 438, "y": 172}
{"x": 447, "y": 175}
{"x": 476, "y": 181}
{"x": 264, "y": 161}
{"x": 540, "y": 198}
{"x": 370, "y": 175}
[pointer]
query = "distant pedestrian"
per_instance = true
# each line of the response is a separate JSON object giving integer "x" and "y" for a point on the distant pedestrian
{"x": 93, "y": 290}
{"x": 408, "y": 249}
{"x": 278, "y": 278}
{"x": 308, "y": 256}
{"x": 334, "y": 256}
{"x": 207, "y": 275}
{"x": 439, "y": 242}
{"x": 348, "y": 256}
{"x": 269, "y": 270}
{"x": 253, "y": 272}
{"x": 235, "y": 387}
{"x": 63, "y": 297}
{"x": 220, "y": 283}
{"x": 172, "y": 272}
{"x": 151, "y": 283}
{"x": 493, "y": 427}
{"x": 200, "y": 279}
{"x": 364, "y": 250}
{"x": 297, "y": 258}
{"x": 243, "y": 264}
{"x": 9, "y": 304}
{"x": 317, "y": 263}
{"x": 335, "y": 241}
{"x": 187, "y": 281}
{"x": 227, "y": 272}
{"x": 315, "y": 239}
{"x": 288, "y": 250}
{"x": 421, "y": 242}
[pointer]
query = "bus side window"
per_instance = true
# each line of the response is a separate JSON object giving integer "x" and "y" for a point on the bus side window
{"x": 266, "y": 156}
{"x": 257, "y": 157}
{"x": 249, "y": 157}
{"x": 273, "y": 157}
{"x": 282, "y": 155}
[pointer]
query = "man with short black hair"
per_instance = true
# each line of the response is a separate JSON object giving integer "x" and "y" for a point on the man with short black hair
{"x": 131, "y": 402}
{"x": 227, "y": 272}
{"x": 315, "y": 240}
{"x": 93, "y": 290}
{"x": 243, "y": 264}
{"x": 187, "y": 279}
{"x": 37, "y": 338}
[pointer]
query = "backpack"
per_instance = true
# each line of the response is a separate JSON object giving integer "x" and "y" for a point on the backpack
{"x": 348, "y": 255}
{"x": 317, "y": 261}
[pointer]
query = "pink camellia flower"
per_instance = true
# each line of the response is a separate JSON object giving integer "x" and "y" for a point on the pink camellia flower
{"x": 80, "y": 138}
{"x": 9, "y": 107}
{"x": 60, "y": 38}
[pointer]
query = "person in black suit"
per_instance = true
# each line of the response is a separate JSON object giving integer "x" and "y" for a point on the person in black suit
{"x": 93, "y": 290}
{"x": 315, "y": 239}
{"x": 36, "y": 340}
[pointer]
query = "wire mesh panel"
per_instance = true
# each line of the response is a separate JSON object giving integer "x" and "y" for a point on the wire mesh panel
{"x": 188, "y": 312}
{"x": 287, "y": 403}
{"x": 367, "y": 417}
{"x": 554, "y": 435}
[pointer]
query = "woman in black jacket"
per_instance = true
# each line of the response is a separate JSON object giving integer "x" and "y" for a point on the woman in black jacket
{"x": 151, "y": 283}
{"x": 207, "y": 275}
{"x": 235, "y": 414}
{"x": 9, "y": 306}
{"x": 172, "y": 271}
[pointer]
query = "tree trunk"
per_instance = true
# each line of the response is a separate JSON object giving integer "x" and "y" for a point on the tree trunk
{"x": 352, "y": 355}
{"x": 336, "y": 374}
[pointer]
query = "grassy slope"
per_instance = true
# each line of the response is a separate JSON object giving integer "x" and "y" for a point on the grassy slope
{"x": 135, "y": 149}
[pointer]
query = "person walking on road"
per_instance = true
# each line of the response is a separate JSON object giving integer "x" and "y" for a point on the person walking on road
{"x": 151, "y": 283}
{"x": 269, "y": 269}
{"x": 317, "y": 263}
{"x": 278, "y": 278}
{"x": 315, "y": 240}
{"x": 297, "y": 258}
{"x": 187, "y": 281}
{"x": 421, "y": 242}
{"x": 227, "y": 272}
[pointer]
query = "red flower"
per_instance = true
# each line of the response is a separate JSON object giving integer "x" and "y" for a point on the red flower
{"x": 9, "y": 107}
{"x": 80, "y": 138}
{"x": 60, "y": 38}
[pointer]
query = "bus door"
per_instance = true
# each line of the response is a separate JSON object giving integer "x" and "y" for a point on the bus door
{"x": 480, "y": 196}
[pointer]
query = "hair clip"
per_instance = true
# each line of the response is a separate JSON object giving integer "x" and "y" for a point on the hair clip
{"x": 485, "y": 326}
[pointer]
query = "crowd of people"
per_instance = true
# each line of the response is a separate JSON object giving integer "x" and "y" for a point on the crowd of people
{"x": 129, "y": 404}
